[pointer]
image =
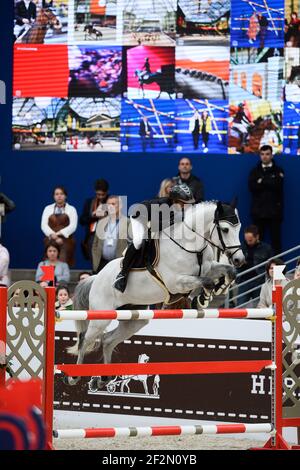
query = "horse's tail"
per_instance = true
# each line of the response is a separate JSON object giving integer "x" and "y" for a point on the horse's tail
{"x": 81, "y": 302}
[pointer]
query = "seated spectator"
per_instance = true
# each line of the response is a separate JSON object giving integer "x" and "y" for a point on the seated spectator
{"x": 256, "y": 252}
{"x": 59, "y": 222}
{"x": 111, "y": 235}
{"x": 265, "y": 298}
{"x": 51, "y": 258}
{"x": 4, "y": 263}
{"x": 64, "y": 301}
{"x": 165, "y": 187}
{"x": 83, "y": 275}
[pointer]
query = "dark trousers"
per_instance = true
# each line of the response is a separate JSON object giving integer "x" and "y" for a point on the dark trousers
{"x": 262, "y": 35}
{"x": 196, "y": 139}
{"x": 205, "y": 136}
{"x": 274, "y": 227}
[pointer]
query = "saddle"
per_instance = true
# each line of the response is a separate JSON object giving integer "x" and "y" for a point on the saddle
{"x": 147, "y": 255}
{"x": 148, "y": 258}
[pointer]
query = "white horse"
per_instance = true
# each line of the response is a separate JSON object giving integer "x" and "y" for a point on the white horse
{"x": 180, "y": 246}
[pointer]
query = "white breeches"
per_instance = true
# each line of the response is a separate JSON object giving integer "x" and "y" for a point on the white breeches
{"x": 138, "y": 233}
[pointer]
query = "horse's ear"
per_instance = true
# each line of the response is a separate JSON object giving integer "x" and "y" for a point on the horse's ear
{"x": 220, "y": 207}
{"x": 234, "y": 202}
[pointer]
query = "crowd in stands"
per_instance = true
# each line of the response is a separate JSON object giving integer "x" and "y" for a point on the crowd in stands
{"x": 108, "y": 230}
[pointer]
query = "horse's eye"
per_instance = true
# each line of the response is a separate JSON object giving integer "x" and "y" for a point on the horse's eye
{"x": 225, "y": 230}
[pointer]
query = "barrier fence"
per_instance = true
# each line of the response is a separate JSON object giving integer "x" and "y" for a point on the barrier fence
{"x": 276, "y": 440}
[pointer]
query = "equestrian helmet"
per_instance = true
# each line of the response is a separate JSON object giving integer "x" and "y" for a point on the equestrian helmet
{"x": 182, "y": 193}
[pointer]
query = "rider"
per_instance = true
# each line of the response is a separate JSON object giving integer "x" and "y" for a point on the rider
{"x": 141, "y": 221}
{"x": 146, "y": 68}
{"x": 241, "y": 122}
{"x": 25, "y": 14}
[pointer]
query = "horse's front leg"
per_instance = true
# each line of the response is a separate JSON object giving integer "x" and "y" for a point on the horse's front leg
{"x": 219, "y": 270}
{"x": 185, "y": 283}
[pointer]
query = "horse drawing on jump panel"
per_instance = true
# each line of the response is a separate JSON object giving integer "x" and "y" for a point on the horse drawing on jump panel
{"x": 123, "y": 380}
{"x": 180, "y": 247}
{"x": 36, "y": 33}
{"x": 164, "y": 79}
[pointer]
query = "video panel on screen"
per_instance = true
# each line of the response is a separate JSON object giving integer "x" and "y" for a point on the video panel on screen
{"x": 203, "y": 22}
{"x": 257, "y": 24}
{"x": 256, "y": 73}
{"x": 149, "y": 22}
{"x": 201, "y": 76}
{"x": 93, "y": 125}
{"x": 147, "y": 126}
{"x": 150, "y": 72}
{"x": 39, "y": 124}
{"x": 201, "y": 126}
{"x": 41, "y": 22}
{"x": 94, "y": 21}
{"x": 254, "y": 123}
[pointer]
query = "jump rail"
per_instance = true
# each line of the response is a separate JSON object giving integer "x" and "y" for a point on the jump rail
{"x": 185, "y": 314}
{"x": 162, "y": 431}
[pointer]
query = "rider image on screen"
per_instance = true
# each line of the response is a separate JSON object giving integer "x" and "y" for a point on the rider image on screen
{"x": 25, "y": 14}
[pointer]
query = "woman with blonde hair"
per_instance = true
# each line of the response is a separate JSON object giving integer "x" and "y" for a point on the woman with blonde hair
{"x": 165, "y": 187}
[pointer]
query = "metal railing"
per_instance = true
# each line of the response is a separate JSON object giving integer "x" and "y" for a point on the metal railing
{"x": 239, "y": 290}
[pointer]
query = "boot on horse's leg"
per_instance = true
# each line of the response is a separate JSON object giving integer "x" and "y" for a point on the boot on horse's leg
{"x": 121, "y": 280}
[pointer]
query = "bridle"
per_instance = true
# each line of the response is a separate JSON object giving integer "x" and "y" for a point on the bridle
{"x": 222, "y": 248}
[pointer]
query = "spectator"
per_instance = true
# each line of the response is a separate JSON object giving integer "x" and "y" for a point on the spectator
{"x": 51, "y": 258}
{"x": 256, "y": 252}
{"x": 185, "y": 176}
{"x": 265, "y": 298}
{"x": 83, "y": 275}
{"x": 266, "y": 186}
{"x": 63, "y": 298}
{"x": 111, "y": 235}
{"x": 91, "y": 214}
{"x": 59, "y": 222}
{"x": 165, "y": 187}
{"x": 4, "y": 264}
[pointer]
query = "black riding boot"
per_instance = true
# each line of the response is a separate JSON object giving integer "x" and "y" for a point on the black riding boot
{"x": 121, "y": 279}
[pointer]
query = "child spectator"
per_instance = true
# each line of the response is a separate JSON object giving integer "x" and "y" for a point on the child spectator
{"x": 64, "y": 301}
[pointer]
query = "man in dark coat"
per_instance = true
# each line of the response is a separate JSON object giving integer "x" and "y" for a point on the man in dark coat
{"x": 256, "y": 252}
{"x": 266, "y": 186}
{"x": 185, "y": 177}
{"x": 91, "y": 214}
